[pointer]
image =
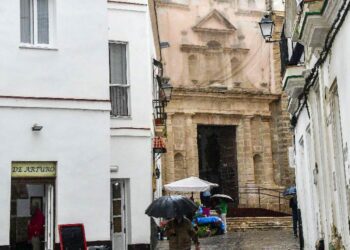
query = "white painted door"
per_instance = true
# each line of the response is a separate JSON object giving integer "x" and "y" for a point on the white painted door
{"x": 49, "y": 216}
{"x": 118, "y": 215}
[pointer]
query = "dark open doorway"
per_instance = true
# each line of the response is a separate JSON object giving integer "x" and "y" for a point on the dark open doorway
{"x": 32, "y": 213}
{"x": 217, "y": 154}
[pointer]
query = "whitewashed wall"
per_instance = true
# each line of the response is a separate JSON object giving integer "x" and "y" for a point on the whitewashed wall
{"x": 326, "y": 204}
{"x": 131, "y": 147}
{"x": 76, "y": 133}
{"x": 76, "y": 67}
{"x": 306, "y": 188}
{"x": 79, "y": 142}
{"x": 335, "y": 71}
{"x": 278, "y": 5}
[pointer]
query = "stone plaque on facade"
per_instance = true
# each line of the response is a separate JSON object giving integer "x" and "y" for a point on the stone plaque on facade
{"x": 33, "y": 169}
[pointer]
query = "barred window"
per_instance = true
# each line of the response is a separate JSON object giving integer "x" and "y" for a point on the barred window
{"x": 119, "y": 86}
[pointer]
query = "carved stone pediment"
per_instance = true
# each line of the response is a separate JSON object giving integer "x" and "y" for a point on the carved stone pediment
{"x": 214, "y": 22}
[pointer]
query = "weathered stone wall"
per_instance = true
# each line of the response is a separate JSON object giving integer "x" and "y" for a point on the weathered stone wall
{"x": 282, "y": 136}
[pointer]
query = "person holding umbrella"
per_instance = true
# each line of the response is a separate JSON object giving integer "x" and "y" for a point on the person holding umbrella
{"x": 223, "y": 210}
{"x": 223, "y": 200}
{"x": 179, "y": 230}
{"x": 293, "y": 204}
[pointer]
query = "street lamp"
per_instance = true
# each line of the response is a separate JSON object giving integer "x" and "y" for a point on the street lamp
{"x": 266, "y": 26}
{"x": 166, "y": 88}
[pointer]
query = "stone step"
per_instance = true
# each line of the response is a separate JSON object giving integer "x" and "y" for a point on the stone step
{"x": 259, "y": 223}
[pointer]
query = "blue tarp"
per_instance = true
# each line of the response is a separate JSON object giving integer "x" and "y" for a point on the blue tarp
{"x": 210, "y": 220}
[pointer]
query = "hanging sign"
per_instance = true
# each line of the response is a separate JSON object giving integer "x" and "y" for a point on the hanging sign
{"x": 33, "y": 169}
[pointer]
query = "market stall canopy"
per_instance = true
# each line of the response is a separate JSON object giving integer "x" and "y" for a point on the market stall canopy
{"x": 191, "y": 184}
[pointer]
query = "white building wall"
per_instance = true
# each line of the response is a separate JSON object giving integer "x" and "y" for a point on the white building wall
{"x": 131, "y": 148}
{"x": 329, "y": 200}
{"x": 74, "y": 67}
{"x": 79, "y": 142}
{"x": 304, "y": 180}
{"x": 71, "y": 78}
{"x": 339, "y": 70}
{"x": 336, "y": 166}
{"x": 132, "y": 154}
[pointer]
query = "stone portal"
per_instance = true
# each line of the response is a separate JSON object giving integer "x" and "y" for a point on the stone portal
{"x": 218, "y": 158}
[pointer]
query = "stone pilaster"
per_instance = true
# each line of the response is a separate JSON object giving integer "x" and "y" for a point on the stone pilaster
{"x": 267, "y": 154}
{"x": 248, "y": 151}
{"x": 191, "y": 146}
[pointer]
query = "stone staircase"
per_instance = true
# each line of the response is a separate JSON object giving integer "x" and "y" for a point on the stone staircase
{"x": 258, "y": 223}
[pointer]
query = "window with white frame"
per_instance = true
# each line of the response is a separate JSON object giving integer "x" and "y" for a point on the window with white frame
{"x": 35, "y": 21}
{"x": 119, "y": 86}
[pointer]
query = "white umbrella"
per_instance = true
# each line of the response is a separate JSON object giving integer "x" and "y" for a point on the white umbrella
{"x": 191, "y": 184}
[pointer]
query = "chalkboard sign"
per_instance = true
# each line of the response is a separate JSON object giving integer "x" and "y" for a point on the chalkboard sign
{"x": 72, "y": 237}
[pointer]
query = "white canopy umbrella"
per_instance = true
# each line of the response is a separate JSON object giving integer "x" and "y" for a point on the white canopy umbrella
{"x": 191, "y": 184}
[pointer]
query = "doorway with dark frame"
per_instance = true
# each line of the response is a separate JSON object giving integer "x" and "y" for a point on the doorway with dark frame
{"x": 32, "y": 199}
{"x": 217, "y": 153}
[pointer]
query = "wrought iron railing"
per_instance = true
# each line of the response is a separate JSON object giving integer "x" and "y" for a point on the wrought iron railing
{"x": 260, "y": 192}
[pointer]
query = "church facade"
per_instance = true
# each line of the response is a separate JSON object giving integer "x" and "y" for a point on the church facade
{"x": 225, "y": 122}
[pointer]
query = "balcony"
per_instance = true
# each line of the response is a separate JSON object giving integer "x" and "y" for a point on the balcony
{"x": 294, "y": 81}
{"x": 293, "y": 106}
{"x": 293, "y": 85}
{"x": 314, "y": 22}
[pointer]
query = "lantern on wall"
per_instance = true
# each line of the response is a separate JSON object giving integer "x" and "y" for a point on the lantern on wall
{"x": 266, "y": 26}
{"x": 166, "y": 88}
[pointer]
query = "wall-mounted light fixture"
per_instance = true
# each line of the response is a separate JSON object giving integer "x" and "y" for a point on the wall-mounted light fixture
{"x": 114, "y": 168}
{"x": 266, "y": 27}
{"x": 37, "y": 127}
{"x": 164, "y": 45}
{"x": 166, "y": 88}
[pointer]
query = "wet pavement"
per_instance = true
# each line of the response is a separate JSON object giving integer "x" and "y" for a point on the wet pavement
{"x": 249, "y": 240}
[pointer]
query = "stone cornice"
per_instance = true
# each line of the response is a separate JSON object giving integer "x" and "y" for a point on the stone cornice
{"x": 237, "y": 114}
{"x": 201, "y": 48}
{"x": 249, "y": 94}
{"x": 160, "y": 3}
{"x": 257, "y": 13}
{"x": 216, "y": 31}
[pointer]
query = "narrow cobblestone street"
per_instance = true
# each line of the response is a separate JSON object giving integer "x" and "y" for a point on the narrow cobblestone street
{"x": 249, "y": 240}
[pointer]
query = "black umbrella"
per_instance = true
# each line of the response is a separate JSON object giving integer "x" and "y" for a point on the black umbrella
{"x": 223, "y": 197}
{"x": 171, "y": 207}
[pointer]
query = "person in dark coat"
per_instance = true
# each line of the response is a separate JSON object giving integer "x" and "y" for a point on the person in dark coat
{"x": 293, "y": 204}
{"x": 180, "y": 232}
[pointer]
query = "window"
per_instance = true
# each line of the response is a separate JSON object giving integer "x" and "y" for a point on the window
{"x": 119, "y": 86}
{"x": 35, "y": 21}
